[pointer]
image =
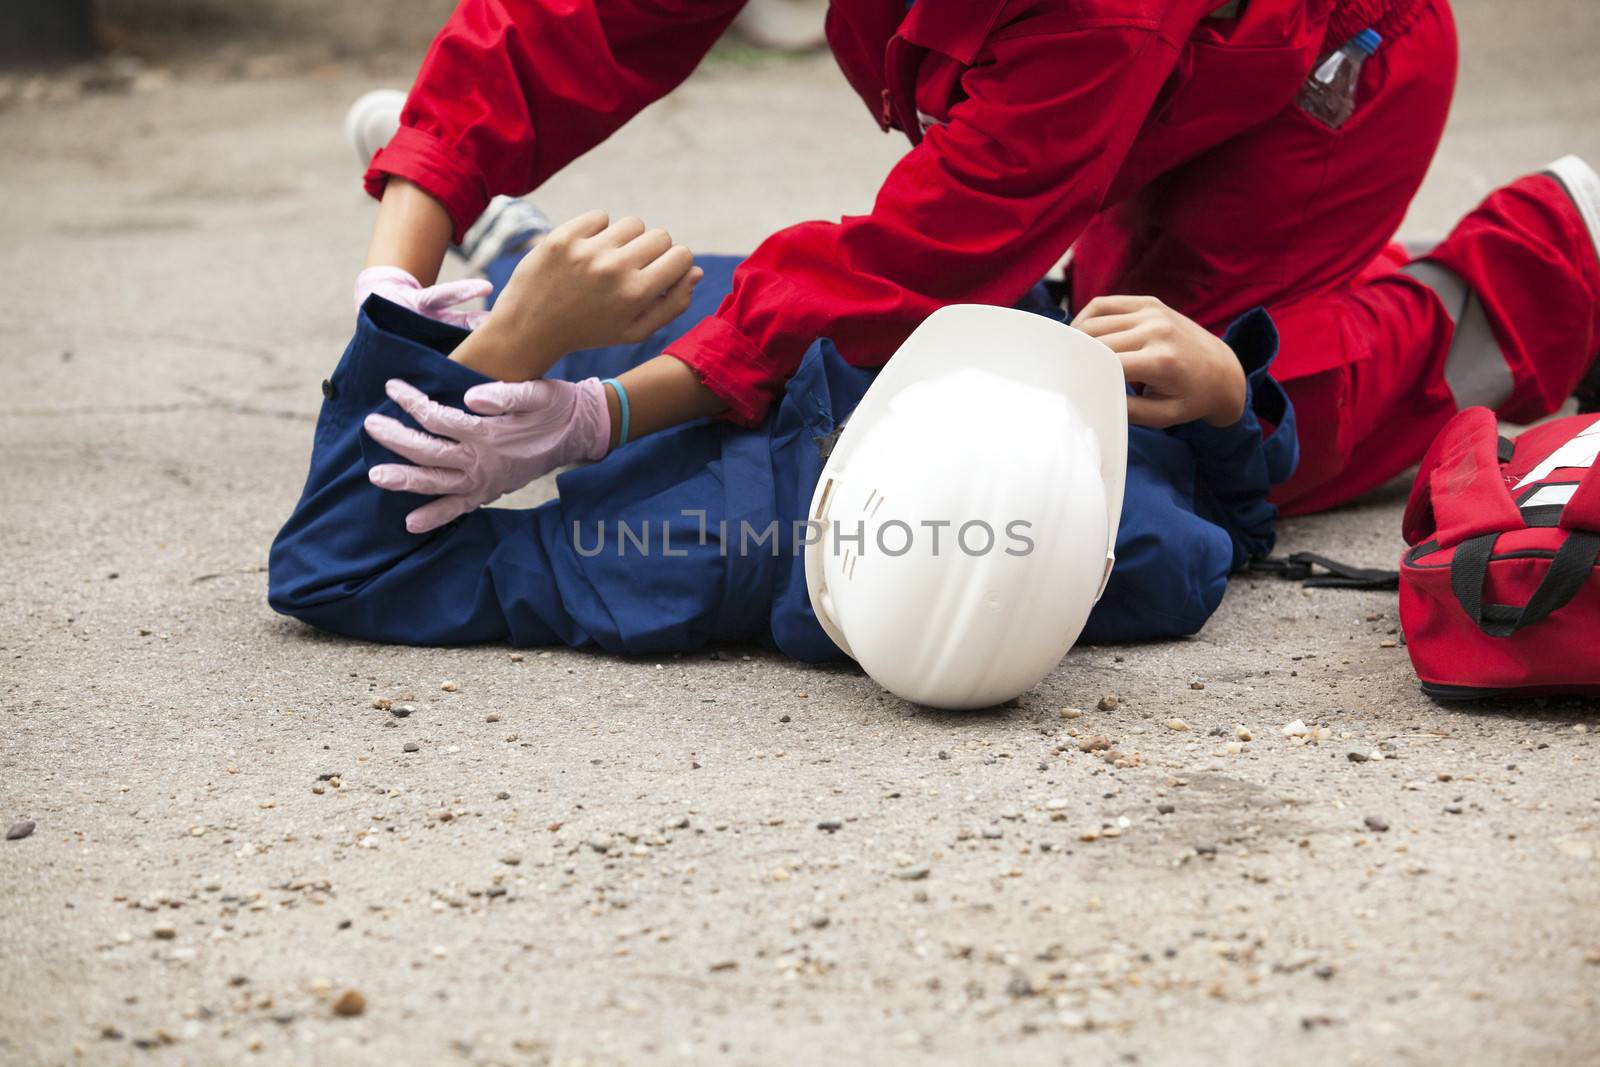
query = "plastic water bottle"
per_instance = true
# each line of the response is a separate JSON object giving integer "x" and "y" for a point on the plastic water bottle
{"x": 1329, "y": 94}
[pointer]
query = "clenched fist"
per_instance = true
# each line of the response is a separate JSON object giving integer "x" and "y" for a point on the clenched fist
{"x": 590, "y": 282}
{"x": 1187, "y": 372}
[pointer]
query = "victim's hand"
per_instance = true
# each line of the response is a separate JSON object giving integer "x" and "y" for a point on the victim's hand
{"x": 1187, "y": 372}
{"x": 590, "y": 282}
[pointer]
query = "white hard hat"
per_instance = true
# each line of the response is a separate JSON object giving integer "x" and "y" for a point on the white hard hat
{"x": 965, "y": 522}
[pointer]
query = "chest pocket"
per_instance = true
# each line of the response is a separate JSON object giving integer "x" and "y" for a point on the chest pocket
{"x": 1234, "y": 74}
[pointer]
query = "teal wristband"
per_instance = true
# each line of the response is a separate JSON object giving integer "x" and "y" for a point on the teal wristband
{"x": 622, "y": 402}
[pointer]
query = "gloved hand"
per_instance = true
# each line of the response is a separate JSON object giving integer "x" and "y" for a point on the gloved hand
{"x": 522, "y": 430}
{"x": 437, "y": 302}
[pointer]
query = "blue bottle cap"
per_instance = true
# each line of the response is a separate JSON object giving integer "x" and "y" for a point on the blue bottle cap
{"x": 1368, "y": 41}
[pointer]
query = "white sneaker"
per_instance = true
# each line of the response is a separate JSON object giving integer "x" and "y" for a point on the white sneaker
{"x": 372, "y": 120}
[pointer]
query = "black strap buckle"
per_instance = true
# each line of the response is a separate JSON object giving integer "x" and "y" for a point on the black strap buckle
{"x": 1279, "y": 567}
{"x": 1302, "y": 567}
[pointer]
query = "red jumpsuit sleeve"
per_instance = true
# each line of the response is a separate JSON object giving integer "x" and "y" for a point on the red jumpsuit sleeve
{"x": 977, "y": 212}
{"x": 513, "y": 90}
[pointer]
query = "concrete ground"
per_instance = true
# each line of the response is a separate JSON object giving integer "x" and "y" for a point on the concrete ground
{"x": 596, "y": 860}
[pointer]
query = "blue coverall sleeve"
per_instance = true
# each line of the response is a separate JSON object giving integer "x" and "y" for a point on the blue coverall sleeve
{"x": 344, "y": 561}
{"x": 1195, "y": 507}
{"x": 1237, "y": 466}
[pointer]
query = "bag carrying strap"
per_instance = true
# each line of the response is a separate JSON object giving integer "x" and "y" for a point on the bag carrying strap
{"x": 1572, "y": 566}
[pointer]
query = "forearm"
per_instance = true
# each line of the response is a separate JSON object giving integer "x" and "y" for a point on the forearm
{"x": 662, "y": 392}
{"x": 412, "y": 232}
{"x": 496, "y": 353}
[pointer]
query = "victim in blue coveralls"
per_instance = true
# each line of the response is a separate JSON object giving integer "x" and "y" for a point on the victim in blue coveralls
{"x": 1195, "y": 509}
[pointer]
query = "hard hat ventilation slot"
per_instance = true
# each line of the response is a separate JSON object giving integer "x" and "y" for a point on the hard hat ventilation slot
{"x": 821, "y": 513}
{"x": 850, "y": 564}
{"x": 874, "y": 502}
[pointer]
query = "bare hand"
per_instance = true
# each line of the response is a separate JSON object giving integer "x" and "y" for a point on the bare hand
{"x": 590, "y": 282}
{"x": 1187, "y": 372}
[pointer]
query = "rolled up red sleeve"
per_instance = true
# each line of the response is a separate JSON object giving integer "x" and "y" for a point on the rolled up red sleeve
{"x": 977, "y": 212}
{"x": 731, "y": 366}
{"x": 511, "y": 91}
{"x": 447, "y": 175}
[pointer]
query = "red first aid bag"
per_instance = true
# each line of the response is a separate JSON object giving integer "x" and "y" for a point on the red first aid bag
{"x": 1499, "y": 594}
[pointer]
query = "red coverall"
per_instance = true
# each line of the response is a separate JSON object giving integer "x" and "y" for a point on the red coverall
{"x": 1164, "y": 144}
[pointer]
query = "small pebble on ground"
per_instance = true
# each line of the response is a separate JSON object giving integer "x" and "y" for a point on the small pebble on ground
{"x": 350, "y": 1003}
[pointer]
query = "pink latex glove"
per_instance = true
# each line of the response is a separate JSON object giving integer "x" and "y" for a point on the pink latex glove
{"x": 438, "y": 302}
{"x": 522, "y": 431}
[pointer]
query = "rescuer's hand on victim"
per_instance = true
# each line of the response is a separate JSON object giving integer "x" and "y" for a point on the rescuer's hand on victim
{"x": 590, "y": 282}
{"x": 1186, "y": 371}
